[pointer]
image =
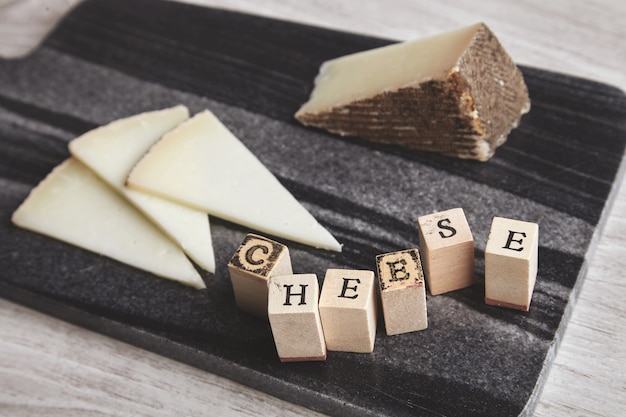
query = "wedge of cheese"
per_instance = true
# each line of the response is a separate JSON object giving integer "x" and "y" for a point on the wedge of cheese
{"x": 458, "y": 93}
{"x": 202, "y": 164}
{"x": 112, "y": 150}
{"x": 73, "y": 205}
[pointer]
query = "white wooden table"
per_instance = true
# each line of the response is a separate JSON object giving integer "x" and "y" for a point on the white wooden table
{"x": 49, "y": 367}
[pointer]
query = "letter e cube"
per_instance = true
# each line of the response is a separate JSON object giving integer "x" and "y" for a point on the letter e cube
{"x": 511, "y": 263}
{"x": 348, "y": 310}
{"x": 402, "y": 291}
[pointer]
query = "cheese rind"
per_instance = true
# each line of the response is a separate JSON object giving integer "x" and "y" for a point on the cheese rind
{"x": 203, "y": 165}
{"x": 112, "y": 150}
{"x": 458, "y": 93}
{"x": 73, "y": 205}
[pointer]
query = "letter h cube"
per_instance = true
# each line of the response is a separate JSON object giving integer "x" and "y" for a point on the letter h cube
{"x": 295, "y": 319}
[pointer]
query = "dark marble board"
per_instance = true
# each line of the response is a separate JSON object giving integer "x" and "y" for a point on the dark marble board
{"x": 111, "y": 59}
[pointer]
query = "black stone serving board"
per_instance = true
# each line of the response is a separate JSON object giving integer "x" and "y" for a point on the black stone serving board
{"x": 110, "y": 59}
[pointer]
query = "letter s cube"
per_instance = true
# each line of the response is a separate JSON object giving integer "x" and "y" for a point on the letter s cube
{"x": 447, "y": 249}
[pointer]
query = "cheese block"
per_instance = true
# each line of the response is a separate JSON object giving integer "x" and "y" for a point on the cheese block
{"x": 112, "y": 150}
{"x": 73, "y": 205}
{"x": 458, "y": 93}
{"x": 202, "y": 164}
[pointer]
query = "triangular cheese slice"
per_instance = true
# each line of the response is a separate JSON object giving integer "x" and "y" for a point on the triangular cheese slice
{"x": 202, "y": 164}
{"x": 73, "y": 205}
{"x": 458, "y": 93}
{"x": 112, "y": 150}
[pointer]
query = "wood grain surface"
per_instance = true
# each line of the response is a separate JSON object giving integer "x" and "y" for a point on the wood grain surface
{"x": 48, "y": 367}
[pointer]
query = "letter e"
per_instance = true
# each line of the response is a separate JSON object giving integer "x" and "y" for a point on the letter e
{"x": 511, "y": 240}
{"x": 345, "y": 288}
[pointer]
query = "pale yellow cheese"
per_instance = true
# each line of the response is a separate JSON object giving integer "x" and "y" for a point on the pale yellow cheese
{"x": 73, "y": 205}
{"x": 112, "y": 150}
{"x": 364, "y": 74}
{"x": 202, "y": 164}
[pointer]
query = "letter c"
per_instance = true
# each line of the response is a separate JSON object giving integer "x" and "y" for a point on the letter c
{"x": 250, "y": 252}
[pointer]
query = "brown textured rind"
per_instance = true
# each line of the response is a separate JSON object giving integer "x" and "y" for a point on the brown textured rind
{"x": 497, "y": 86}
{"x": 467, "y": 114}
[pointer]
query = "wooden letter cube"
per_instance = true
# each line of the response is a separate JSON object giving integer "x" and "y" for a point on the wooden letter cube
{"x": 257, "y": 259}
{"x": 511, "y": 263}
{"x": 447, "y": 249}
{"x": 348, "y": 310}
{"x": 295, "y": 319}
{"x": 403, "y": 291}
